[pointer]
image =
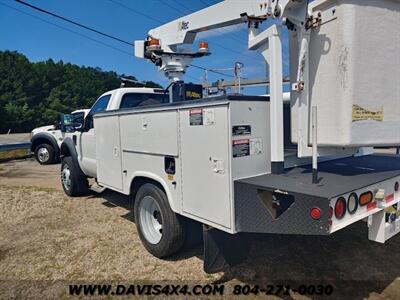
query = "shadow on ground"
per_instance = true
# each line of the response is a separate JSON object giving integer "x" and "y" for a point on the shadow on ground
{"x": 346, "y": 260}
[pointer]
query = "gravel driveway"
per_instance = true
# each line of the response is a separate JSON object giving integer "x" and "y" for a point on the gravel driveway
{"x": 48, "y": 241}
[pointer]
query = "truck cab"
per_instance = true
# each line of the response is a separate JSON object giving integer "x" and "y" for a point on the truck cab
{"x": 82, "y": 144}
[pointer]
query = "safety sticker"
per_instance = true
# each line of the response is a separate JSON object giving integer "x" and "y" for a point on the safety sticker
{"x": 256, "y": 146}
{"x": 241, "y": 148}
{"x": 208, "y": 117}
{"x": 196, "y": 116}
{"x": 241, "y": 130}
{"x": 362, "y": 114}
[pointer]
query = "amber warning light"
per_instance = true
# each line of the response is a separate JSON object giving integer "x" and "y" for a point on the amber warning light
{"x": 153, "y": 44}
{"x": 203, "y": 47}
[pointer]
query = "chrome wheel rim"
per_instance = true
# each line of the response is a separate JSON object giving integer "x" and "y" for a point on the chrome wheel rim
{"x": 66, "y": 177}
{"x": 43, "y": 155}
{"x": 150, "y": 219}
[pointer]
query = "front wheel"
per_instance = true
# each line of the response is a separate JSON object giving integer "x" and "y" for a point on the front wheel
{"x": 44, "y": 154}
{"x": 161, "y": 231}
{"x": 73, "y": 181}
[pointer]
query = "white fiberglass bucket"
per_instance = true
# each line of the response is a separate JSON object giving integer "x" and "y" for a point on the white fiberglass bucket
{"x": 355, "y": 73}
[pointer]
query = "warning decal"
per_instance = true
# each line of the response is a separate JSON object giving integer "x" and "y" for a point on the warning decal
{"x": 241, "y": 148}
{"x": 196, "y": 116}
{"x": 361, "y": 114}
{"x": 241, "y": 130}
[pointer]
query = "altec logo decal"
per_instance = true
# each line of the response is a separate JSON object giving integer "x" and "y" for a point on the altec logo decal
{"x": 183, "y": 25}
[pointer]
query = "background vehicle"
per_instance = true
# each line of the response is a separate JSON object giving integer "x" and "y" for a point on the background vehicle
{"x": 46, "y": 140}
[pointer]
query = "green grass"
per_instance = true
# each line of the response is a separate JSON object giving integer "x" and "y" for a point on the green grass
{"x": 43, "y": 189}
{"x": 13, "y": 154}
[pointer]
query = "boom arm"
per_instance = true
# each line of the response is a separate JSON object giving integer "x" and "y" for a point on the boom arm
{"x": 173, "y": 61}
{"x": 226, "y": 13}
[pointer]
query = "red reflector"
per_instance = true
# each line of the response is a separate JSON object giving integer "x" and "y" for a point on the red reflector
{"x": 371, "y": 206}
{"x": 340, "y": 208}
{"x": 316, "y": 213}
{"x": 366, "y": 198}
{"x": 389, "y": 198}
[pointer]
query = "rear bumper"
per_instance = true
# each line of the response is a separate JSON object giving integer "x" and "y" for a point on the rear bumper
{"x": 296, "y": 196}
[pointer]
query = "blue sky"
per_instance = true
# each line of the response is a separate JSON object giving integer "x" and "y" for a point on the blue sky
{"x": 40, "y": 41}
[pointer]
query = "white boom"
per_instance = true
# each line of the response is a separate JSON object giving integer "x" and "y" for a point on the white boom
{"x": 174, "y": 62}
{"x": 226, "y": 13}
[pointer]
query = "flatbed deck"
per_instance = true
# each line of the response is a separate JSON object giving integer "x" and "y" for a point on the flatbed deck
{"x": 335, "y": 177}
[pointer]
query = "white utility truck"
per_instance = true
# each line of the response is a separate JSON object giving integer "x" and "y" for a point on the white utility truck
{"x": 46, "y": 140}
{"x": 223, "y": 161}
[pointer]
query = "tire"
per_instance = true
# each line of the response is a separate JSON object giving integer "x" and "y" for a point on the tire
{"x": 45, "y": 154}
{"x": 161, "y": 231}
{"x": 73, "y": 181}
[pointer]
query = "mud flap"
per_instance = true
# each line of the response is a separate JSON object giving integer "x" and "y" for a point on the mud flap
{"x": 223, "y": 250}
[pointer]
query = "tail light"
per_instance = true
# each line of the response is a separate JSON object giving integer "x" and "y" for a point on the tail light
{"x": 366, "y": 198}
{"x": 352, "y": 203}
{"x": 316, "y": 213}
{"x": 340, "y": 208}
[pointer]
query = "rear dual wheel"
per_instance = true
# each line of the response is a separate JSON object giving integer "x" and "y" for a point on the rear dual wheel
{"x": 161, "y": 231}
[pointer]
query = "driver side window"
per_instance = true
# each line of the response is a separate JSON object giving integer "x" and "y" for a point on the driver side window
{"x": 99, "y": 106}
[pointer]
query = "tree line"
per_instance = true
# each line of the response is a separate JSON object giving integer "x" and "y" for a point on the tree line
{"x": 34, "y": 94}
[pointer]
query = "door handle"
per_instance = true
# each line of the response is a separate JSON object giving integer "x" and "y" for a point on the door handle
{"x": 218, "y": 166}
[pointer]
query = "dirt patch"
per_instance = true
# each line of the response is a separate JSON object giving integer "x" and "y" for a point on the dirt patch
{"x": 48, "y": 241}
{"x": 28, "y": 172}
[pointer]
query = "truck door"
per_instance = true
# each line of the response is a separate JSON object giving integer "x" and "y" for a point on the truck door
{"x": 108, "y": 151}
{"x": 87, "y": 139}
{"x": 205, "y": 164}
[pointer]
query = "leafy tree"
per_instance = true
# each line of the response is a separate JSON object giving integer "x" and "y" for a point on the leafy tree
{"x": 33, "y": 94}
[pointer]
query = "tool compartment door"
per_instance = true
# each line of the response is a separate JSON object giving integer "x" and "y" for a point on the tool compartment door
{"x": 108, "y": 149}
{"x": 206, "y": 165}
